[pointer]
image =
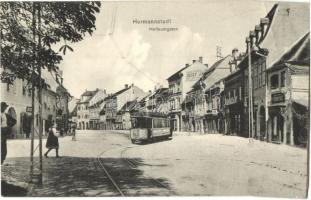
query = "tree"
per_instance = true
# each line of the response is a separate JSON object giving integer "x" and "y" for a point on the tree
{"x": 30, "y": 29}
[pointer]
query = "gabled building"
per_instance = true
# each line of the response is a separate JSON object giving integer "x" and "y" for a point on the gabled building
{"x": 96, "y": 104}
{"x": 288, "y": 92}
{"x": 203, "y": 102}
{"x": 114, "y": 103}
{"x": 83, "y": 111}
{"x": 125, "y": 113}
{"x": 18, "y": 96}
{"x": 180, "y": 83}
{"x": 157, "y": 98}
{"x": 233, "y": 99}
{"x": 277, "y": 31}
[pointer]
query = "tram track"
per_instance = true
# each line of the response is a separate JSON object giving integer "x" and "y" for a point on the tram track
{"x": 130, "y": 164}
{"x": 111, "y": 179}
{"x": 134, "y": 164}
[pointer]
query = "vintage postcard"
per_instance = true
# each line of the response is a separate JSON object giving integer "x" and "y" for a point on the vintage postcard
{"x": 155, "y": 98}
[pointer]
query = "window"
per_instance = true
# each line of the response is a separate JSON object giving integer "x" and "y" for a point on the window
{"x": 283, "y": 78}
{"x": 274, "y": 81}
{"x": 255, "y": 76}
{"x": 24, "y": 90}
{"x": 259, "y": 74}
{"x": 240, "y": 93}
{"x": 231, "y": 94}
{"x": 263, "y": 74}
{"x": 8, "y": 87}
{"x": 246, "y": 86}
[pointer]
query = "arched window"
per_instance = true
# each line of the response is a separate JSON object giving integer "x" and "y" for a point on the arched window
{"x": 274, "y": 81}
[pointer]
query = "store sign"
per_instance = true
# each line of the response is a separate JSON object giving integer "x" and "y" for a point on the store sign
{"x": 193, "y": 75}
{"x": 278, "y": 98}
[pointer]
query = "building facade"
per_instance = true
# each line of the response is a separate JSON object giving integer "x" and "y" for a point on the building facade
{"x": 19, "y": 98}
{"x": 83, "y": 111}
{"x": 180, "y": 83}
{"x": 96, "y": 104}
{"x": 115, "y": 102}
{"x": 288, "y": 95}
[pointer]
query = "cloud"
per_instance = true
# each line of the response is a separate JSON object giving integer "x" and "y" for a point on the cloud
{"x": 106, "y": 62}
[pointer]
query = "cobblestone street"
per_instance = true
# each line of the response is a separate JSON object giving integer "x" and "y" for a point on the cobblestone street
{"x": 210, "y": 164}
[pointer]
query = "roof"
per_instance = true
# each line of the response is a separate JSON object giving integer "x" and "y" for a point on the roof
{"x": 159, "y": 91}
{"x": 288, "y": 22}
{"x": 128, "y": 106}
{"x": 89, "y": 93}
{"x": 176, "y": 74}
{"x": 102, "y": 112}
{"x": 299, "y": 53}
{"x": 85, "y": 101}
{"x": 211, "y": 76}
{"x": 117, "y": 93}
{"x": 297, "y": 58}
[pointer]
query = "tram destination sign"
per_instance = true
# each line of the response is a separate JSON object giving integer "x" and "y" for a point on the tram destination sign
{"x": 278, "y": 98}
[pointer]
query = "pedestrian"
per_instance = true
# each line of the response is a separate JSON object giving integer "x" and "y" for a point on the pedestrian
{"x": 7, "y": 122}
{"x": 61, "y": 132}
{"x": 74, "y": 133}
{"x": 52, "y": 141}
{"x": 27, "y": 126}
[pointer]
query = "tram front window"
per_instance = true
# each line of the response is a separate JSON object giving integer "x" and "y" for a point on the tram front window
{"x": 141, "y": 122}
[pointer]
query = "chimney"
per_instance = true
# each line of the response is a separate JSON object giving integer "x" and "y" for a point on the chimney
{"x": 233, "y": 65}
{"x": 126, "y": 85}
{"x": 264, "y": 22}
{"x": 201, "y": 59}
{"x": 132, "y": 84}
{"x": 206, "y": 65}
{"x": 104, "y": 91}
{"x": 247, "y": 40}
{"x": 258, "y": 32}
{"x": 149, "y": 92}
{"x": 193, "y": 61}
{"x": 187, "y": 64}
{"x": 235, "y": 53}
{"x": 252, "y": 37}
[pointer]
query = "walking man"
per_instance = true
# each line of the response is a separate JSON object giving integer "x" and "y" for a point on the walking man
{"x": 73, "y": 133}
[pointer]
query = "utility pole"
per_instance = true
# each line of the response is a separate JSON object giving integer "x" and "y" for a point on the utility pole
{"x": 218, "y": 53}
{"x": 36, "y": 13}
{"x": 40, "y": 95}
{"x": 33, "y": 92}
{"x": 250, "y": 93}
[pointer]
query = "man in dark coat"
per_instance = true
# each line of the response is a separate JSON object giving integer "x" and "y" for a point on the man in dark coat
{"x": 7, "y": 122}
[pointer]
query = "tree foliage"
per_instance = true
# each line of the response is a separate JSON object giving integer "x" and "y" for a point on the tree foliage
{"x": 23, "y": 24}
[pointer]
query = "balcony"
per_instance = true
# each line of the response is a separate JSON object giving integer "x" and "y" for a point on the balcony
{"x": 212, "y": 112}
{"x": 232, "y": 100}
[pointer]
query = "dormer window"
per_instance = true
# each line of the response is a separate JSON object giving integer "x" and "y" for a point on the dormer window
{"x": 274, "y": 81}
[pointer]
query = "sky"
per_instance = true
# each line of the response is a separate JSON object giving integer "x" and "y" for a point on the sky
{"x": 127, "y": 52}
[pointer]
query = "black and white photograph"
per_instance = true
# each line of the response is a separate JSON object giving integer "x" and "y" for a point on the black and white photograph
{"x": 155, "y": 98}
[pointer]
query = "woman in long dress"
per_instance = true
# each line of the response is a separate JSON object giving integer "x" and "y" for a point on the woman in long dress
{"x": 52, "y": 141}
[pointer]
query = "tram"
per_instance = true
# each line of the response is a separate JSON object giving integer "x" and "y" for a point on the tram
{"x": 147, "y": 126}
